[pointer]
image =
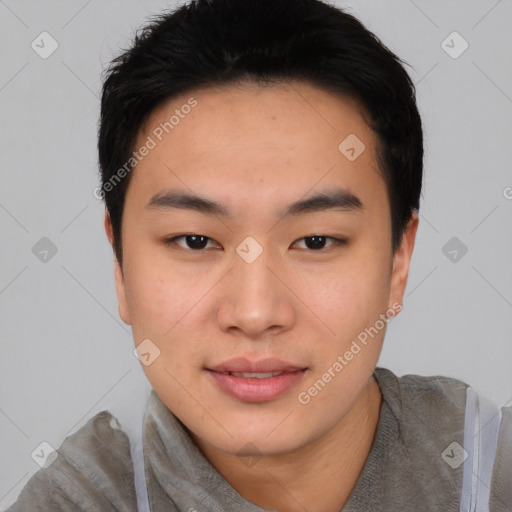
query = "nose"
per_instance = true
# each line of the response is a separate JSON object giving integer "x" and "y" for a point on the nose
{"x": 256, "y": 300}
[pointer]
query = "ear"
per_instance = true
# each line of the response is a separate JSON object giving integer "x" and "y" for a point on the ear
{"x": 401, "y": 262}
{"x": 118, "y": 275}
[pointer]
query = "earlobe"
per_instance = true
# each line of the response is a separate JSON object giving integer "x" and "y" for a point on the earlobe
{"x": 124, "y": 312}
{"x": 118, "y": 275}
{"x": 108, "y": 228}
{"x": 402, "y": 260}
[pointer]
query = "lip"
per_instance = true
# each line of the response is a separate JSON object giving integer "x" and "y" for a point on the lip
{"x": 254, "y": 389}
{"x": 241, "y": 364}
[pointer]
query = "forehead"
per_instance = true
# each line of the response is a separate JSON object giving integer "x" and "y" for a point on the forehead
{"x": 250, "y": 144}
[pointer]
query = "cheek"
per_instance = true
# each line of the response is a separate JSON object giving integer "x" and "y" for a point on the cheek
{"x": 167, "y": 305}
{"x": 149, "y": 300}
{"x": 157, "y": 298}
{"x": 350, "y": 295}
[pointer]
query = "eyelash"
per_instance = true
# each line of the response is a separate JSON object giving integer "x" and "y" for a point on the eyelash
{"x": 336, "y": 242}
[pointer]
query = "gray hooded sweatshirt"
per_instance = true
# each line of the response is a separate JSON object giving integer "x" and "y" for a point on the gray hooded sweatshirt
{"x": 438, "y": 447}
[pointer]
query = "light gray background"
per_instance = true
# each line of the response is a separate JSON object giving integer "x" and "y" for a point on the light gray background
{"x": 66, "y": 355}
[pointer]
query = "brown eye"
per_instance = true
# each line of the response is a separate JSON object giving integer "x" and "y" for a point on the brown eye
{"x": 193, "y": 242}
{"x": 318, "y": 242}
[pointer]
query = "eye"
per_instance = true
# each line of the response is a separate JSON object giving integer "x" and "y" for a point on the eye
{"x": 200, "y": 242}
{"x": 194, "y": 242}
{"x": 318, "y": 242}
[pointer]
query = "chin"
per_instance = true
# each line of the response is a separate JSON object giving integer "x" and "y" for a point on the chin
{"x": 263, "y": 438}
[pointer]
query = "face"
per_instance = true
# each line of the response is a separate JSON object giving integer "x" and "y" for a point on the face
{"x": 262, "y": 297}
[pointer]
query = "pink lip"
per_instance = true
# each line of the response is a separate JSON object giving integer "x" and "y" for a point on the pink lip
{"x": 240, "y": 364}
{"x": 252, "y": 389}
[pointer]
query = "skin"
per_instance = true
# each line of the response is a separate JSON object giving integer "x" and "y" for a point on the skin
{"x": 256, "y": 150}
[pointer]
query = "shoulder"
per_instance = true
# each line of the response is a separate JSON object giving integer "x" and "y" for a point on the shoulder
{"x": 91, "y": 470}
{"x": 429, "y": 415}
{"x": 451, "y": 427}
{"x": 411, "y": 395}
{"x": 501, "y": 497}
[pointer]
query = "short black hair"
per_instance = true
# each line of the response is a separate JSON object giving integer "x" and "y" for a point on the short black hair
{"x": 209, "y": 43}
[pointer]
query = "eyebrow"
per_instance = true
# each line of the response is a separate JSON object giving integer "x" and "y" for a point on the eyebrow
{"x": 331, "y": 199}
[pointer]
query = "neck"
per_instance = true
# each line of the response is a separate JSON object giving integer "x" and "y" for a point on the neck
{"x": 318, "y": 477}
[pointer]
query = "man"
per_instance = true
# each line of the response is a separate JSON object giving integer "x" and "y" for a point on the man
{"x": 261, "y": 167}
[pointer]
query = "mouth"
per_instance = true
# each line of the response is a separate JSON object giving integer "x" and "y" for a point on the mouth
{"x": 261, "y": 381}
{"x": 252, "y": 375}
